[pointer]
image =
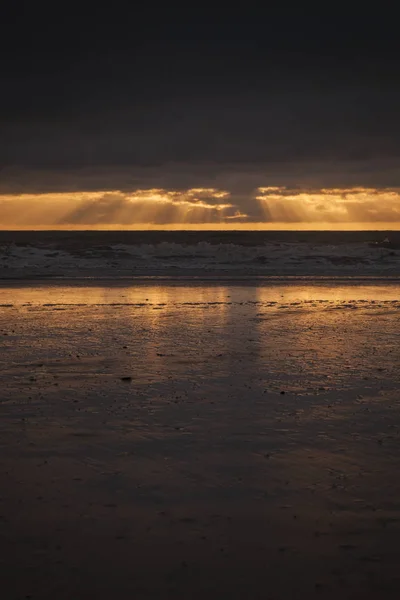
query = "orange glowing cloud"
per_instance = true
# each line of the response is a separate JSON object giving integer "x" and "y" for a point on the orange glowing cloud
{"x": 268, "y": 207}
{"x": 157, "y": 206}
{"x": 336, "y": 205}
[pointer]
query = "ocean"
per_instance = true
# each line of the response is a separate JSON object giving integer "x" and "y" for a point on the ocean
{"x": 127, "y": 254}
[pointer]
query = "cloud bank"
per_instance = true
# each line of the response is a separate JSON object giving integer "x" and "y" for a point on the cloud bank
{"x": 263, "y": 206}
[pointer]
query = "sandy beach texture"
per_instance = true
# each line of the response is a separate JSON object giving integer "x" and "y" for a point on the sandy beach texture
{"x": 199, "y": 441}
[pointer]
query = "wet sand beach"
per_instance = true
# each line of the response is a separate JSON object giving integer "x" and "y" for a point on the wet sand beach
{"x": 199, "y": 440}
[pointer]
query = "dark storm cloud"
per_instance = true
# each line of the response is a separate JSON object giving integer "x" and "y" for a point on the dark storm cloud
{"x": 300, "y": 124}
{"x": 115, "y": 103}
{"x": 239, "y": 179}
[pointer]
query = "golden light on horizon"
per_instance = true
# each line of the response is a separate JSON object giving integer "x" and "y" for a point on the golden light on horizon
{"x": 267, "y": 208}
{"x": 336, "y": 206}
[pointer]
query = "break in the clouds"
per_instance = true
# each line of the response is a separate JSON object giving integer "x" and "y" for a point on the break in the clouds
{"x": 331, "y": 206}
{"x": 268, "y": 206}
{"x": 91, "y": 209}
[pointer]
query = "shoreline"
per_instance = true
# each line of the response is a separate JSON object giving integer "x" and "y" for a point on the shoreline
{"x": 201, "y": 279}
{"x": 127, "y": 256}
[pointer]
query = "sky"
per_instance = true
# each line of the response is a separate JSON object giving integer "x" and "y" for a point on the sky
{"x": 146, "y": 119}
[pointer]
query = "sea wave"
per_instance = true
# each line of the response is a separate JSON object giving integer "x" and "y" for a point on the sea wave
{"x": 80, "y": 255}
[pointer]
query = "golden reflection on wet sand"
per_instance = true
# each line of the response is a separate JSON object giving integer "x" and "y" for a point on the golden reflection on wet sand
{"x": 200, "y": 440}
{"x": 200, "y": 293}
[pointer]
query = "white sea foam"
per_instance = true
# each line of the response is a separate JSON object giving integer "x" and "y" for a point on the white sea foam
{"x": 171, "y": 258}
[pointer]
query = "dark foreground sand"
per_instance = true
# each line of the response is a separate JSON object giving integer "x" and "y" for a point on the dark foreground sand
{"x": 197, "y": 477}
